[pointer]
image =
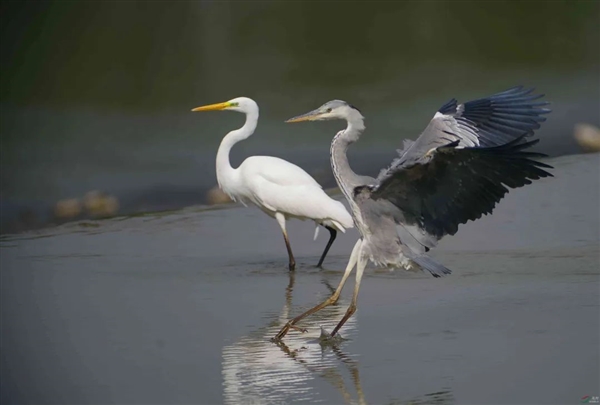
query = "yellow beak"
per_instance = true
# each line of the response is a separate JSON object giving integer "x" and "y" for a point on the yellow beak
{"x": 213, "y": 107}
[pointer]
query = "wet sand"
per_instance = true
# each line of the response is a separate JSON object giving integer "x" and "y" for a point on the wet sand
{"x": 178, "y": 307}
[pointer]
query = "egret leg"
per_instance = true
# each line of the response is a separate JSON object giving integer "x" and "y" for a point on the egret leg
{"x": 281, "y": 220}
{"x": 329, "y": 301}
{"x": 360, "y": 268}
{"x": 332, "y": 235}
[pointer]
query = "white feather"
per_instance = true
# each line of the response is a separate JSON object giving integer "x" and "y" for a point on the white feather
{"x": 279, "y": 188}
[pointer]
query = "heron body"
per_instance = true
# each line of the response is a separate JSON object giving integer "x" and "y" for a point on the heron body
{"x": 279, "y": 188}
{"x": 458, "y": 169}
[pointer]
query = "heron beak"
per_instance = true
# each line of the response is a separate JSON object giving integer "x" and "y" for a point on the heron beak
{"x": 213, "y": 107}
{"x": 309, "y": 116}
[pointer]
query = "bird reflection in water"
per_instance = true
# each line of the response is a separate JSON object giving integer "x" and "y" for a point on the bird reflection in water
{"x": 257, "y": 371}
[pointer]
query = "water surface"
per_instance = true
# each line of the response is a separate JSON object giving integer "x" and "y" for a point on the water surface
{"x": 179, "y": 307}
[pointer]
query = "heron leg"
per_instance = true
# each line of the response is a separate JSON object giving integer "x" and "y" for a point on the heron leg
{"x": 281, "y": 220}
{"x": 329, "y": 301}
{"x": 360, "y": 268}
{"x": 332, "y": 235}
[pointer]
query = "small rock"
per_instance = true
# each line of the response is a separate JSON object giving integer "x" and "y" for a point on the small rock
{"x": 99, "y": 204}
{"x": 68, "y": 208}
{"x": 588, "y": 137}
{"x": 216, "y": 196}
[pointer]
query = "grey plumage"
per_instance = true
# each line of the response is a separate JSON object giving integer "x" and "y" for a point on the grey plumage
{"x": 458, "y": 169}
{"x": 462, "y": 165}
{"x": 485, "y": 122}
{"x": 453, "y": 186}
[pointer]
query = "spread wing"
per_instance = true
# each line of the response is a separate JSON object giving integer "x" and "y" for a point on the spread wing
{"x": 454, "y": 185}
{"x": 489, "y": 121}
{"x": 463, "y": 164}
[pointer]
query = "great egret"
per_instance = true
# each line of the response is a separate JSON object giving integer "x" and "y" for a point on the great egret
{"x": 279, "y": 188}
{"x": 457, "y": 170}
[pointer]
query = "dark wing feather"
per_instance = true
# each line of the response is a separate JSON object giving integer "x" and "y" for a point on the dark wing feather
{"x": 451, "y": 185}
{"x": 489, "y": 121}
{"x": 496, "y": 119}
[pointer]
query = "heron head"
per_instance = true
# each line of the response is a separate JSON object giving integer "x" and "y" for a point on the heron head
{"x": 239, "y": 104}
{"x": 331, "y": 110}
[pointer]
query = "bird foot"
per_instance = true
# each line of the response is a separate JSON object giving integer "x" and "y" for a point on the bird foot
{"x": 299, "y": 329}
{"x": 285, "y": 330}
{"x": 327, "y": 339}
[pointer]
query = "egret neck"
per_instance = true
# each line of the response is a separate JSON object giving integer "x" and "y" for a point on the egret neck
{"x": 227, "y": 176}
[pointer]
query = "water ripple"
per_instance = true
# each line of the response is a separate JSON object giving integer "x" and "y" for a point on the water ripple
{"x": 256, "y": 370}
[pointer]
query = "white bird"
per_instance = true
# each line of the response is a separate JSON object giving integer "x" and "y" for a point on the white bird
{"x": 279, "y": 188}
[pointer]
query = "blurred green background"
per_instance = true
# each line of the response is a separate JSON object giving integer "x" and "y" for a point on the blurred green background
{"x": 97, "y": 95}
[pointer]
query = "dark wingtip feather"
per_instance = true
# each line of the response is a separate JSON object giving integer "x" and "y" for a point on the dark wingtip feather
{"x": 449, "y": 107}
{"x": 511, "y": 90}
{"x": 500, "y": 117}
{"x": 515, "y": 144}
{"x": 427, "y": 263}
{"x": 541, "y": 164}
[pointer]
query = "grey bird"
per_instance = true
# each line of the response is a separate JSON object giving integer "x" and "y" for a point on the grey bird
{"x": 458, "y": 169}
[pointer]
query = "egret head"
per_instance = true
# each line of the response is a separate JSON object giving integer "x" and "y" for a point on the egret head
{"x": 331, "y": 110}
{"x": 239, "y": 104}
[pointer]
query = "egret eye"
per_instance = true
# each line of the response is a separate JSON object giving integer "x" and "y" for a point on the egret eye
{"x": 328, "y": 110}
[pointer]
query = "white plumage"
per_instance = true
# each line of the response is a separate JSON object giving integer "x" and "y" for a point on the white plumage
{"x": 279, "y": 188}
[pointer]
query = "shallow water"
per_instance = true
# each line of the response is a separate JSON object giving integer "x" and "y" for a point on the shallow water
{"x": 179, "y": 307}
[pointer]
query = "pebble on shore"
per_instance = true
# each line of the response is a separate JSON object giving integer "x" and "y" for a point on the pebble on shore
{"x": 67, "y": 208}
{"x": 216, "y": 196}
{"x": 99, "y": 204}
{"x": 588, "y": 137}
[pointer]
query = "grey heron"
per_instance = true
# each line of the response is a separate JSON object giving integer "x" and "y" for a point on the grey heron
{"x": 458, "y": 169}
{"x": 279, "y": 188}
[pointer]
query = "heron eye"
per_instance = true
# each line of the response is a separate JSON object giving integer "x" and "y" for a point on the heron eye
{"x": 328, "y": 110}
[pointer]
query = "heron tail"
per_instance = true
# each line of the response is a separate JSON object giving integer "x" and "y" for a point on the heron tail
{"x": 427, "y": 263}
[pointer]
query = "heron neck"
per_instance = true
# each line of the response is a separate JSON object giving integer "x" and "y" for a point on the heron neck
{"x": 356, "y": 126}
{"x": 226, "y": 174}
{"x": 343, "y": 173}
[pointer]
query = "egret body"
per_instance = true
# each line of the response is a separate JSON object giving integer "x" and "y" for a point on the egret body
{"x": 279, "y": 188}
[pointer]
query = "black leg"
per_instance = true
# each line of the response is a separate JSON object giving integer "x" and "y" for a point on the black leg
{"x": 281, "y": 221}
{"x": 292, "y": 264}
{"x": 332, "y": 235}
